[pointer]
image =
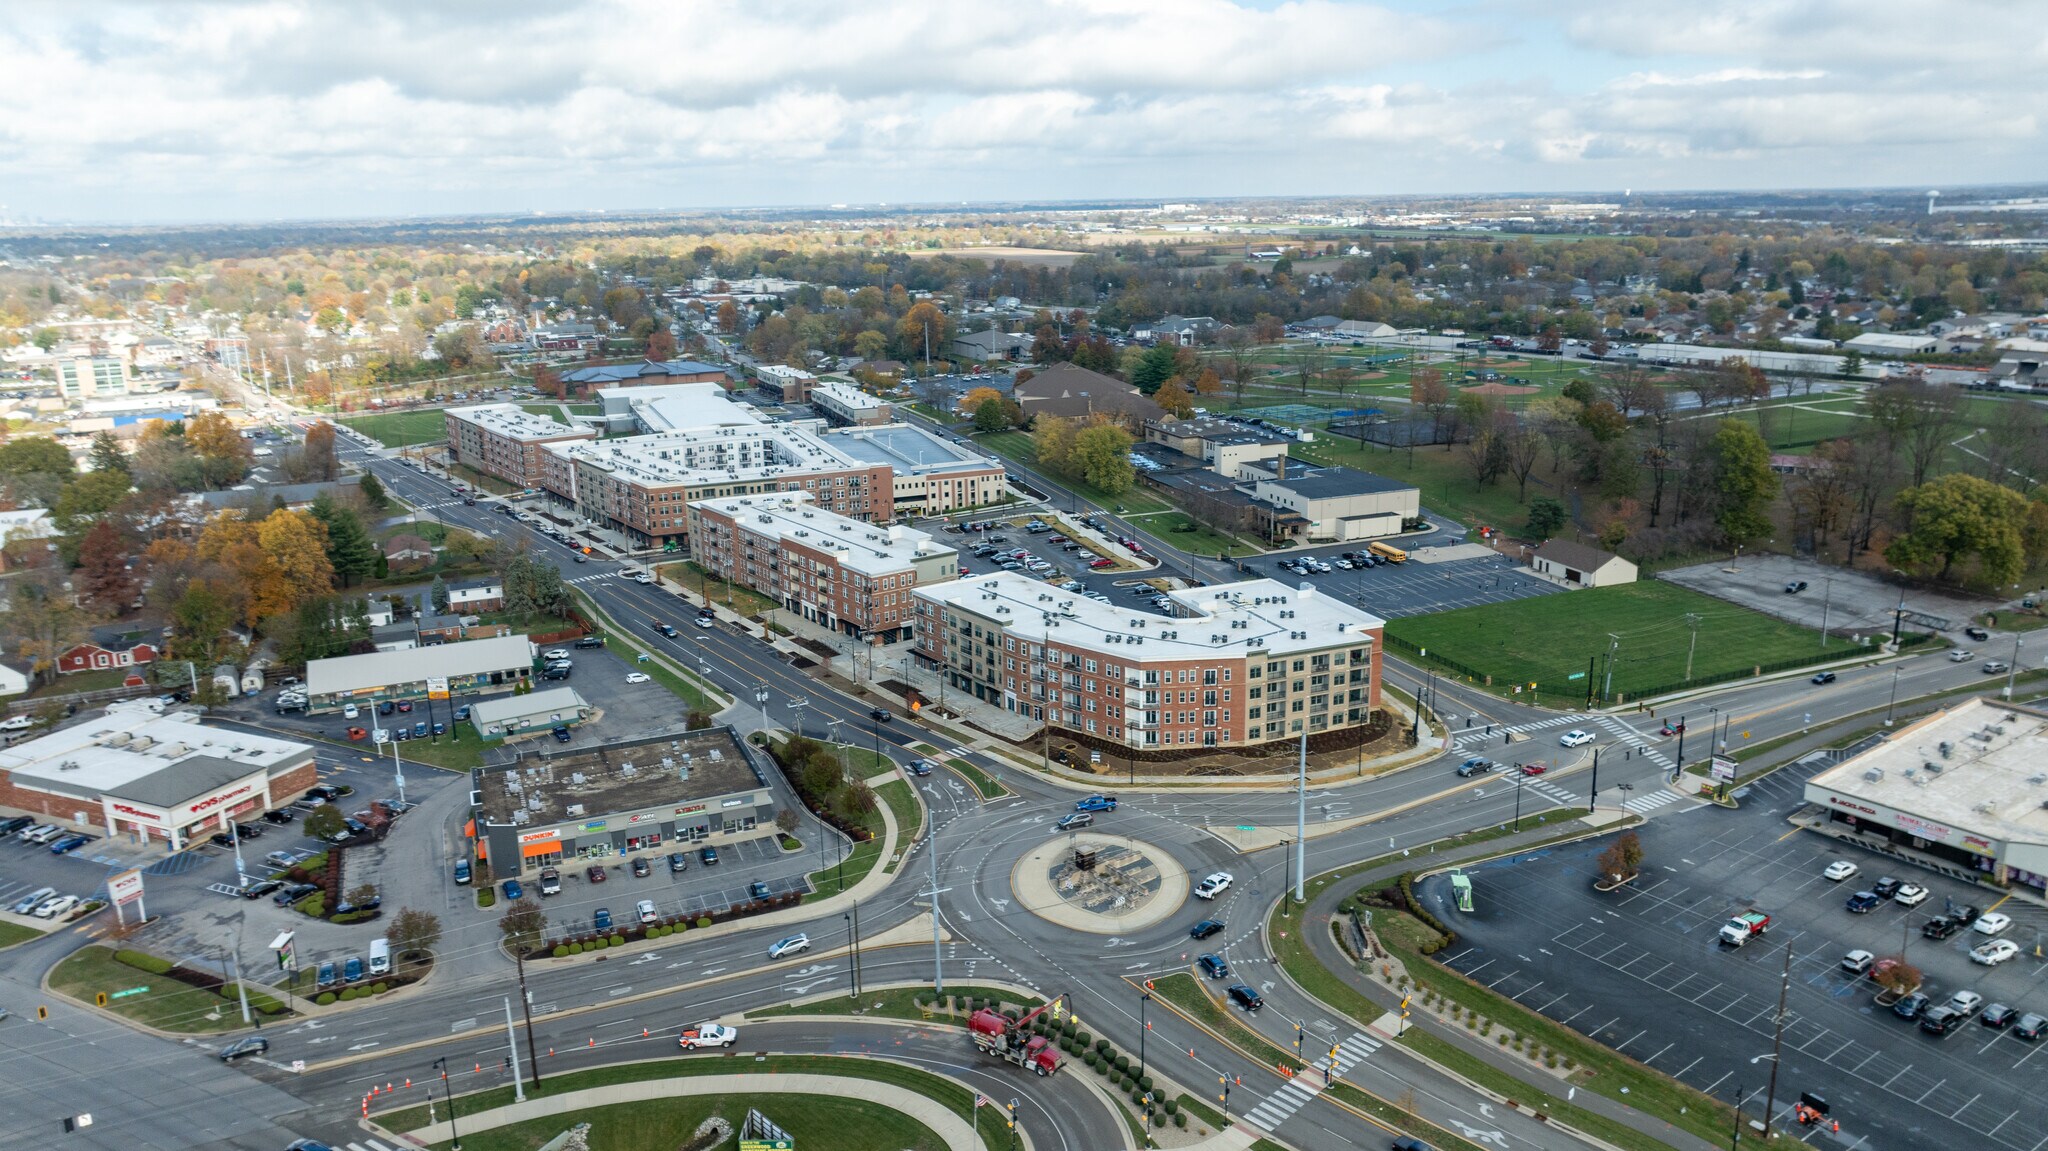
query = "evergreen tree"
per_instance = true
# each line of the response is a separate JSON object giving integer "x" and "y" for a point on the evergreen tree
{"x": 350, "y": 551}
{"x": 373, "y": 490}
{"x": 107, "y": 454}
{"x": 439, "y": 592}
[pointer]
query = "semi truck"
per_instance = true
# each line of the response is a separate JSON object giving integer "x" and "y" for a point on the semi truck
{"x": 1745, "y": 927}
{"x": 1011, "y": 1040}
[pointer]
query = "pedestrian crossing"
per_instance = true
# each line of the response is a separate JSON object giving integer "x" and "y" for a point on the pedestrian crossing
{"x": 1292, "y": 1095}
{"x": 368, "y": 1145}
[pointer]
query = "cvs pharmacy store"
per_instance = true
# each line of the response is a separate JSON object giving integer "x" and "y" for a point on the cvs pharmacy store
{"x": 141, "y": 776}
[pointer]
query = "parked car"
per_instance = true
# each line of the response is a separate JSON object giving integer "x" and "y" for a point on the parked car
{"x": 326, "y": 975}
{"x": 645, "y": 911}
{"x": 550, "y": 881}
{"x": 1839, "y": 870}
{"x": 561, "y": 733}
{"x": 52, "y": 908}
{"x": 1910, "y": 1006}
{"x": 677, "y": 861}
{"x": 758, "y": 890}
{"x": 1886, "y": 886}
{"x": 1863, "y": 901}
{"x": 1910, "y": 895}
{"x": 281, "y": 816}
{"x": 1995, "y": 952}
{"x": 601, "y": 919}
{"x": 1992, "y": 922}
{"x": 708, "y": 856}
{"x": 1858, "y": 962}
{"x": 594, "y": 873}
{"x": 1941, "y": 1020}
{"x": 32, "y": 900}
{"x": 514, "y": 891}
{"x": 69, "y": 844}
{"x": 294, "y": 893}
{"x": 1965, "y": 1003}
{"x": 2030, "y": 1026}
{"x": 352, "y": 969}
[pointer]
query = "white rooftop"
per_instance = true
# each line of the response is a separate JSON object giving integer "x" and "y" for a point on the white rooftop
{"x": 1254, "y": 616}
{"x": 675, "y": 407}
{"x": 711, "y": 455}
{"x": 846, "y": 396}
{"x": 782, "y": 372}
{"x": 908, "y": 449}
{"x": 515, "y": 422}
{"x": 385, "y": 668}
{"x": 1992, "y": 779}
{"x": 566, "y": 700}
{"x": 129, "y": 745}
{"x": 861, "y": 547}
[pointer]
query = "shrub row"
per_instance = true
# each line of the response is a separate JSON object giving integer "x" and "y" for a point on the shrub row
{"x": 1445, "y": 936}
{"x": 142, "y": 961}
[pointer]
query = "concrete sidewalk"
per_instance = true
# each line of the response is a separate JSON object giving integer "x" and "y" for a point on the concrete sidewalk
{"x": 947, "y": 1124}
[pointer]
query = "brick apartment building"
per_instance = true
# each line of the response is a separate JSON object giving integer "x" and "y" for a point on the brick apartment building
{"x": 505, "y": 440}
{"x": 1232, "y": 665}
{"x": 853, "y": 577}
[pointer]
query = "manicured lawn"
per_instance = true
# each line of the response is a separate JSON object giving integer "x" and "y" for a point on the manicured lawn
{"x": 744, "y": 600}
{"x": 1180, "y": 530}
{"x": 655, "y": 1124}
{"x": 1546, "y": 639}
{"x": 945, "y": 1092}
{"x": 13, "y": 933}
{"x": 168, "y": 1005}
{"x": 82, "y": 681}
{"x": 400, "y": 428}
{"x": 904, "y": 806}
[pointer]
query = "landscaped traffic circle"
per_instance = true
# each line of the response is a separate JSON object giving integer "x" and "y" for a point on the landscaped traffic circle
{"x": 1107, "y": 884}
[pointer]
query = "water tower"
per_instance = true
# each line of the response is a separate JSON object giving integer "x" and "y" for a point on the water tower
{"x": 1931, "y": 198}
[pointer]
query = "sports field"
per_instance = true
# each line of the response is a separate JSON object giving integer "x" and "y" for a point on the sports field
{"x": 398, "y": 429}
{"x": 1548, "y": 639}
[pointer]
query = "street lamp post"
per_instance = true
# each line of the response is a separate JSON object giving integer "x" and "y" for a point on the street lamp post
{"x": 1519, "y": 777}
{"x": 1895, "y": 696}
{"x": 455, "y": 1136}
{"x": 1144, "y": 1026}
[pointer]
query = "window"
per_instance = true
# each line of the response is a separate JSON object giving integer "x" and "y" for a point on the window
{"x": 1208, "y": 719}
{"x": 1209, "y": 677}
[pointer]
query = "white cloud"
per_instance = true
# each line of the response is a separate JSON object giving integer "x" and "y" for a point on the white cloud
{"x": 300, "y": 107}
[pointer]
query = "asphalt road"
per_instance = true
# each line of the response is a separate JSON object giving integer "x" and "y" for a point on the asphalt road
{"x": 994, "y": 936}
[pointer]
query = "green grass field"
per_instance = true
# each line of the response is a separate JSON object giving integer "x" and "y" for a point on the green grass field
{"x": 396, "y": 428}
{"x": 1547, "y": 639}
{"x": 165, "y": 1004}
{"x": 654, "y": 1124}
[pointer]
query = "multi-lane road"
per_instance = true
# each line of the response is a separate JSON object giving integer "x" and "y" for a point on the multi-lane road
{"x": 589, "y": 1012}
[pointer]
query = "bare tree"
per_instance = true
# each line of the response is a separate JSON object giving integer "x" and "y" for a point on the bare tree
{"x": 1309, "y": 366}
{"x": 1428, "y": 391}
{"x": 1866, "y": 467}
{"x": 1821, "y": 496}
{"x": 1916, "y": 418}
{"x": 2011, "y": 449}
{"x": 1237, "y": 344}
{"x": 1524, "y": 444}
{"x": 1629, "y": 386}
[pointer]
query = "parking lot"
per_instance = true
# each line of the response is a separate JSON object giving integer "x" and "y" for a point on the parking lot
{"x": 693, "y": 891}
{"x": 1415, "y": 587}
{"x": 1642, "y": 971}
{"x": 1852, "y": 602}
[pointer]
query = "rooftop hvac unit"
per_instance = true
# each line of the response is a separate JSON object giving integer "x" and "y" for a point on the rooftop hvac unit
{"x": 2037, "y": 780}
{"x": 1946, "y": 746}
{"x": 575, "y": 809}
{"x": 1873, "y": 775}
{"x": 1932, "y": 767}
{"x": 576, "y": 779}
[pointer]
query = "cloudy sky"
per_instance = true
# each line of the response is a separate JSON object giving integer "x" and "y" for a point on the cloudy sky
{"x": 147, "y": 110}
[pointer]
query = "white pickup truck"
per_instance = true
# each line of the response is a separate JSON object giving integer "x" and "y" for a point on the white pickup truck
{"x": 708, "y": 1035}
{"x": 1745, "y": 927}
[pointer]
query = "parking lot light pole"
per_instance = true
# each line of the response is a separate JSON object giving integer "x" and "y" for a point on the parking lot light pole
{"x": 1593, "y": 799}
{"x": 1894, "y": 702}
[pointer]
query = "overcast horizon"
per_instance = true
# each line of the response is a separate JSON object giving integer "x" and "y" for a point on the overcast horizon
{"x": 139, "y": 113}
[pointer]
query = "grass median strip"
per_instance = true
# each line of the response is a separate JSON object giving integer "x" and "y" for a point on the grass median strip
{"x": 13, "y": 933}
{"x": 901, "y": 1003}
{"x": 956, "y": 1098}
{"x": 986, "y": 784}
{"x": 1600, "y": 1069}
{"x": 1184, "y": 993}
{"x": 152, "y": 1000}
{"x": 908, "y": 812}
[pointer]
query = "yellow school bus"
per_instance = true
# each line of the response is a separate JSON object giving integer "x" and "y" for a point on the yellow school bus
{"x": 1389, "y": 553}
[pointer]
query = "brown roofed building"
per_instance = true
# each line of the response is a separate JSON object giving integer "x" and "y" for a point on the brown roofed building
{"x": 1576, "y": 565}
{"x": 1076, "y": 393}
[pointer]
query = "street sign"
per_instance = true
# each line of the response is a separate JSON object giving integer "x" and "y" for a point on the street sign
{"x": 1576, "y": 675}
{"x": 123, "y": 994}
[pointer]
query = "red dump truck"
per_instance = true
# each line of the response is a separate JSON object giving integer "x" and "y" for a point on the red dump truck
{"x": 1011, "y": 1040}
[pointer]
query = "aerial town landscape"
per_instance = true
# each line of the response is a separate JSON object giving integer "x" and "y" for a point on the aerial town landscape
{"x": 1076, "y": 577}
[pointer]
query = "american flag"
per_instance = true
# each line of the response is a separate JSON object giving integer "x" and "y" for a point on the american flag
{"x": 980, "y": 1100}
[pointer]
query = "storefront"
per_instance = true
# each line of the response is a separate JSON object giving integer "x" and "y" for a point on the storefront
{"x": 650, "y": 797}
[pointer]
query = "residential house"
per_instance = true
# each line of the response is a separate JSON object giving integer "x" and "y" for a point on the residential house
{"x": 471, "y": 596}
{"x": 408, "y": 552}
{"x": 14, "y": 678}
{"x": 1576, "y": 565}
{"x": 112, "y": 647}
{"x": 1183, "y": 330}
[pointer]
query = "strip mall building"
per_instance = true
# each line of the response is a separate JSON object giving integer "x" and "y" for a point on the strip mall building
{"x": 133, "y": 773}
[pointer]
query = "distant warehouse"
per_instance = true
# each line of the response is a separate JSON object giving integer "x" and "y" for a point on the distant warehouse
{"x": 474, "y": 667}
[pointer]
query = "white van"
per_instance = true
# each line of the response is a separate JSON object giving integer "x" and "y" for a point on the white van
{"x": 380, "y": 956}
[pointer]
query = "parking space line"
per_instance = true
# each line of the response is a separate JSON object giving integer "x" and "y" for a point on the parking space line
{"x": 1527, "y": 990}
{"x": 1930, "y": 1091}
{"x": 1710, "y": 1088}
{"x": 1687, "y": 1067}
{"x": 1545, "y": 1009}
{"x": 1662, "y": 1050}
{"x": 1966, "y": 1106}
{"x": 1895, "y": 1076}
{"x": 1632, "y": 1038}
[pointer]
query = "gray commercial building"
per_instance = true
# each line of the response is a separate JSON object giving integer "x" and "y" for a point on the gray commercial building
{"x": 516, "y": 715}
{"x": 472, "y": 667}
{"x": 651, "y": 796}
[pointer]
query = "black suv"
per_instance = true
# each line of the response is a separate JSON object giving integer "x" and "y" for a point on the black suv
{"x": 1886, "y": 887}
{"x": 1941, "y": 1020}
{"x": 1940, "y": 927}
{"x": 1245, "y": 997}
{"x": 590, "y": 641}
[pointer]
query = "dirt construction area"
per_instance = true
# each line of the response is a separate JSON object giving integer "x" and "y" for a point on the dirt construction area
{"x": 1855, "y": 603}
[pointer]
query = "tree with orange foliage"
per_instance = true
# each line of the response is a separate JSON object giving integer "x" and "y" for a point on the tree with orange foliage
{"x": 972, "y": 401}
{"x": 1173, "y": 396}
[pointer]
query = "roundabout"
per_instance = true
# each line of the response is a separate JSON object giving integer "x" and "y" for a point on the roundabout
{"x": 1104, "y": 884}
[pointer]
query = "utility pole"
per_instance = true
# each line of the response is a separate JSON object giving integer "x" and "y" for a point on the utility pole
{"x": 526, "y": 1009}
{"x": 1613, "y": 648}
{"x": 512, "y": 1042}
{"x": 1591, "y": 681}
{"x": 1301, "y": 825}
{"x": 1777, "y": 1043}
{"x": 1827, "y": 596}
{"x": 1692, "y": 621}
{"x": 2012, "y": 667}
{"x": 1593, "y": 800}
{"x": 938, "y": 960}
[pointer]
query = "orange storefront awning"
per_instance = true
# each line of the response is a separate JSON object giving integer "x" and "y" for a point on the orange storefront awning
{"x": 544, "y": 847}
